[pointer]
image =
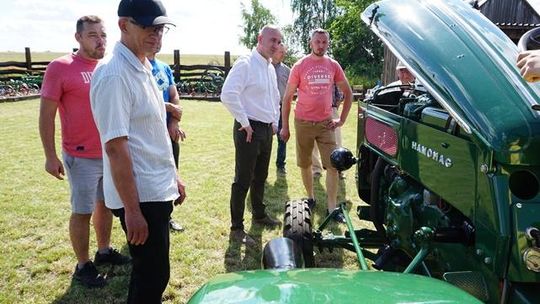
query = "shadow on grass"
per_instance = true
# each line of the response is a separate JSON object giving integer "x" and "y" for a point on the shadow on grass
{"x": 333, "y": 257}
{"x": 114, "y": 292}
{"x": 251, "y": 257}
{"x": 239, "y": 257}
{"x": 277, "y": 195}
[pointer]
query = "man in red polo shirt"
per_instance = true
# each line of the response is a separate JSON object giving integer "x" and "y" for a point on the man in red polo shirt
{"x": 66, "y": 88}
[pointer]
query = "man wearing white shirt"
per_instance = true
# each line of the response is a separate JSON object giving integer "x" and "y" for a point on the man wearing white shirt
{"x": 140, "y": 179}
{"x": 251, "y": 94}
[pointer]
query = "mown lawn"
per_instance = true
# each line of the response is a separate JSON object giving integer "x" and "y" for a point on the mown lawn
{"x": 36, "y": 257}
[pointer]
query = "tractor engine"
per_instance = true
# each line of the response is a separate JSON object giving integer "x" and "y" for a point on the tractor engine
{"x": 406, "y": 211}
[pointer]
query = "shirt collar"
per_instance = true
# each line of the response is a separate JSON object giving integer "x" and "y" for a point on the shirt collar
{"x": 121, "y": 49}
{"x": 259, "y": 57}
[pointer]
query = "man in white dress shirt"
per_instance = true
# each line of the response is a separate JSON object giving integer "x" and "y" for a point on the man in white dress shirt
{"x": 251, "y": 94}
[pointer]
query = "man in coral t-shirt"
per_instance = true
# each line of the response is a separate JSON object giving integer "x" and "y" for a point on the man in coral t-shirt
{"x": 66, "y": 88}
{"x": 314, "y": 76}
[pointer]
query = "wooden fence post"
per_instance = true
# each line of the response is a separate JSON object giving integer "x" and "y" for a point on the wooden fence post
{"x": 176, "y": 66}
{"x": 28, "y": 56}
{"x": 227, "y": 62}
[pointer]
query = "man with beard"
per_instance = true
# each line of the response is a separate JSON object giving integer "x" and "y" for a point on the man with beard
{"x": 314, "y": 76}
{"x": 140, "y": 179}
{"x": 66, "y": 87}
{"x": 251, "y": 94}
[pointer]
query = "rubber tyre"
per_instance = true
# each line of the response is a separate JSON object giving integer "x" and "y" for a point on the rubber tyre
{"x": 297, "y": 227}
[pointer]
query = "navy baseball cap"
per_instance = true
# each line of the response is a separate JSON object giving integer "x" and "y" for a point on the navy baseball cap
{"x": 144, "y": 12}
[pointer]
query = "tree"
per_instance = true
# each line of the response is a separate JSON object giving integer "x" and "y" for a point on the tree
{"x": 358, "y": 50}
{"x": 312, "y": 14}
{"x": 254, "y": 20}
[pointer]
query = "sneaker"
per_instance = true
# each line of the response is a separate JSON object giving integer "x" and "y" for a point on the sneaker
{"x": 281, "y": 171}
{"x": 267, "y": 221}
{"x": 338, "y": 217}
{"x": 113, "y": 257}
{"x": 175, "y": 227}
{"x": 241, "y": 236}
{"x": 311, "y": 202}
{"x": 89, "y": 276}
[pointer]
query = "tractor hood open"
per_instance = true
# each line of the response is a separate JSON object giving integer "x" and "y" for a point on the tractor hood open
{"x": 327, "y": 286}
{"x": 468, "y": 65}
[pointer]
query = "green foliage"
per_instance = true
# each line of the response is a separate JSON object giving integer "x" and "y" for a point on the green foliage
{"x": 253, "y": 21}
{"x": 312, "y": 14}
{"x": 353, "y": 45}
{"x": 358, "y": 50}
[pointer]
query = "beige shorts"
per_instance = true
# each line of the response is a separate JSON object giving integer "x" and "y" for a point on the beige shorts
{"x": 309, "y": 132}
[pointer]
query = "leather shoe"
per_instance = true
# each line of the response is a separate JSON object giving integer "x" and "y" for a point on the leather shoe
{"x": 174, "y": 226}
{"x": 311, "y": 202}
{"x": 267, "y": 221}
{"x": 241, "y": 236}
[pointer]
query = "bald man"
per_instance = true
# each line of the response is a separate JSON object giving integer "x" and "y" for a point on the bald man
{"x": 251, "y": 94}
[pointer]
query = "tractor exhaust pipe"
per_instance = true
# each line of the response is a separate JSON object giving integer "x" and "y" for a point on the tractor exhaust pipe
{"x": 281, "y": 253}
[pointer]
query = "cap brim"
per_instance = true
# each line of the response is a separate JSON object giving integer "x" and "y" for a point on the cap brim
{"x": 153, "y": 20}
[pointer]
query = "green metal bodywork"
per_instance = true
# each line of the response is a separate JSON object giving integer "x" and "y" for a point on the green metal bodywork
{"x": 468, "y": 64}
{"x": 327, "y": 286}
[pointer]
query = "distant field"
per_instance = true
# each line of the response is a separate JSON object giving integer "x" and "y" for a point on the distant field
{"x": 186, "y": 59}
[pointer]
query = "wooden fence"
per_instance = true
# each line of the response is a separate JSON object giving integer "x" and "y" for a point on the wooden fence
{"x": 199, "y": 80}
{"x": 15, "y": 70}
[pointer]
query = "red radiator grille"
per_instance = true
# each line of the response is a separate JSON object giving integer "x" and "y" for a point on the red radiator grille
{"x": 381, "y": 136}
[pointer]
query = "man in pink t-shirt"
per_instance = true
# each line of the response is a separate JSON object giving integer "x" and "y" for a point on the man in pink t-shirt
{"x": 66, "y": 88}
{"x": 314, "y": 76}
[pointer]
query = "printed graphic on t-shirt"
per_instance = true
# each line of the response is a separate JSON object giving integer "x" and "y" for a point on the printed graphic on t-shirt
{"x": 86, "y": 76}
{"x": 161, "y": 79}
{"x": 319, "y": 80}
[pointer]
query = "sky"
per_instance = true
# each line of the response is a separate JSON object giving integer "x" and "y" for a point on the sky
{"x": 202, "y": 26}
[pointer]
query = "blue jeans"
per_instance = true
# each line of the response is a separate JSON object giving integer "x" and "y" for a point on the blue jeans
{"x": 281, "y": 148}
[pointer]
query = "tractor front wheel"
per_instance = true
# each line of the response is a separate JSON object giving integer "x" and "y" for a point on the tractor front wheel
{"x": 297, "y": 227}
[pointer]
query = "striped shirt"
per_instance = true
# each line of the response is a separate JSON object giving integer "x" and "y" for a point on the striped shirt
{"x": 126, "y": 102}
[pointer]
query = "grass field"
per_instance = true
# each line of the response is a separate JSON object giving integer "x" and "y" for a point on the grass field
{"x": 36, "y": 257}
{"x": 185, "y": 59}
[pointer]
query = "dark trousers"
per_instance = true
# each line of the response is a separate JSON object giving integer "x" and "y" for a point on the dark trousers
{"x": 281, "y": 148}
{"x": 150, "y": 262}
{"x": 176, "y": 155}
{"x": 251, "y": 169}
{"x": 175, "y": 151}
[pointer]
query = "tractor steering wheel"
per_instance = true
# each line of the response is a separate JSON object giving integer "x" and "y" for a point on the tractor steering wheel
{"x": 530, "y": 40}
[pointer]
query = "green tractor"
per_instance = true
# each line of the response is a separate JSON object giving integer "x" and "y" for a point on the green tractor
{"x": 449, "y": 168}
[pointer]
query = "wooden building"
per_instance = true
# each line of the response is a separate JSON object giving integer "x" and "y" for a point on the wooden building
{"x": 513, "y": 17}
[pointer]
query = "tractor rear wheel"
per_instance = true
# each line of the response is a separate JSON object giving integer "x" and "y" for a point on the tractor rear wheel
{"x": 297, "y": 227}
